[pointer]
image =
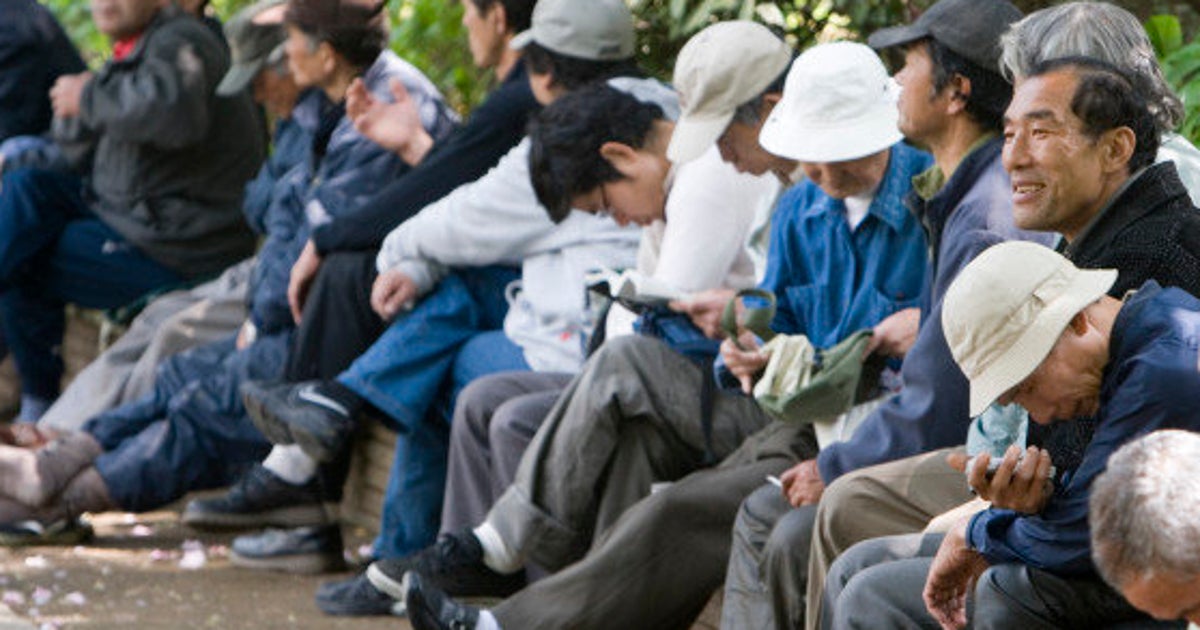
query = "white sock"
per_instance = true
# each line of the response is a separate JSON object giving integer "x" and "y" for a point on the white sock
{"x": 487, "y": 621}
{"x": 497, "y": 555}
{"x": 291, "y": 464}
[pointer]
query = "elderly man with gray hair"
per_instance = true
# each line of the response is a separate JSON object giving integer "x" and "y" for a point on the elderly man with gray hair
{"x": 1145, "y": 519}
{"x": 1111, "y": 34}
{"x": 1027, "y": 326}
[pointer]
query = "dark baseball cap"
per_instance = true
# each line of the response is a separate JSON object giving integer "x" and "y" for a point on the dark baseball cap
{"x": 970, "y": 28}
{"x": 250, "y": 44}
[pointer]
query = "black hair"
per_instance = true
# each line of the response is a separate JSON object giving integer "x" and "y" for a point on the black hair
{"x": 356, "y": 29}
{"x": 565, "y": 140}
{"x": 750, "y": 112}
{"x": 990, "y": 93}
{"x": 1106, "y": 97}
{"x": 518, "y": 13}
{"x": 574, "y": 72}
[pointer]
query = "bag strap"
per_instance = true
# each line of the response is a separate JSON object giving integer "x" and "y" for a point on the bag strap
{"x": 756, "y": 320}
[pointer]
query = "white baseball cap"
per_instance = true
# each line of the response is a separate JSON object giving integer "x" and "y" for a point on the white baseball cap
{"x": 1005, "y": 311}
{"x": 838, "y": 104}
{"x": 720, "y": 68}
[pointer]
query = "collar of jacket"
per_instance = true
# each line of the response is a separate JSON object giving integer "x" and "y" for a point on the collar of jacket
{"x": 935, "y": 212}
{"x": 164, "y": 15}
{"x": 1157, "y": 186}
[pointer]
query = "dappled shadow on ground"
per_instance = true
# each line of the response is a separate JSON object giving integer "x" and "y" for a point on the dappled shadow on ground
{"x": 148, "y": 571}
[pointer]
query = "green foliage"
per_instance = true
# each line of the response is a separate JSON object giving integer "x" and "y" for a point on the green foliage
{"x": 1181, "y": 66}
{"x": 429, "y": 34}
{"x": 76, "y": 20}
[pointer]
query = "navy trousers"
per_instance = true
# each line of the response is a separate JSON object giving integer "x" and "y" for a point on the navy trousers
{"x": 53, "y": 250}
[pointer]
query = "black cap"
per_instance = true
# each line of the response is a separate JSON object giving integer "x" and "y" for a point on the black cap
{"x": 970, "y": 28}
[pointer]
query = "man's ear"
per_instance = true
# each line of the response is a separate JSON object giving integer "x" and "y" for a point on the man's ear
{"x": 959, "y": 91}
{"x": 1080, "y": 323}
{"x": 621, "y": 156}
{"x": 497, "y": 17}
{"x": 1118, "y": 146}
{"x": 769, "y": 101}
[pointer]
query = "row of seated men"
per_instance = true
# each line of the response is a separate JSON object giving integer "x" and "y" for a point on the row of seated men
{"x": 1001, "y": 237}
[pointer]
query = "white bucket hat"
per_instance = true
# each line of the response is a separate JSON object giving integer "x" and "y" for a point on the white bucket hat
{"x": 718, "y": 69}
{"x": 1005, "y": 311}
{"x": 838, "y": 104}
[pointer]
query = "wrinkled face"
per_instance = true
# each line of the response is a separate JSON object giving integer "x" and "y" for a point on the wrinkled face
{"x": 306, "y": 62}
{"x": 846, "y": 179}
{"x": 484, "y": 38}
{"x": 922, "y": 113}
{"x": 1066, "y": 385}
{"x": 276, "y": 91}
{"x": 639, "y": 196}
{"x": 123, "y": 18}
{"x": 1054, "y": 167}
{"x": 1166, "y": 596}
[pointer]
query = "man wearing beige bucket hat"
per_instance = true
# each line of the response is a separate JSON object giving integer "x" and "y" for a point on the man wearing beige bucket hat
{"x": 1027, "y": 326}
{"x": 1124, "y": 213}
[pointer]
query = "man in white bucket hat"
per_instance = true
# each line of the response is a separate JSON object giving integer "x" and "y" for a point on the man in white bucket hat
{"x": 1027, "y": 326}
{"x": 868, "y": 255}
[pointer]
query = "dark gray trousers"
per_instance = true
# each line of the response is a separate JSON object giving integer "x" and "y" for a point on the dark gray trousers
{"x": 629, "y": 419}
{"x": 879, "y": 584}
{"x": 495, "y": 418}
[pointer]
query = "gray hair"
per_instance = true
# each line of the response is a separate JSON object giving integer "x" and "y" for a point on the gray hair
{"x": 1091, "y": 29}
{"x": 1144, "y": 511}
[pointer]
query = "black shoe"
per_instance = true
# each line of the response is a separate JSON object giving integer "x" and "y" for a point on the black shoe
{"x": 71, "y": 531}
{"x": 286, "y": 414}
{"x": 261, "y": 499}
{"x": 454, "y": 564}
{"x": 295, "y": 550}
{"x": 431, "y": 609}
{"x": 356, "y": 597}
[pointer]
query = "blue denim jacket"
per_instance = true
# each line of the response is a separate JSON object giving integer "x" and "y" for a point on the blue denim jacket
{"x": 352, "y": 170}
{"x": 1153, "y": 354}
{"x": 831, "y": 281}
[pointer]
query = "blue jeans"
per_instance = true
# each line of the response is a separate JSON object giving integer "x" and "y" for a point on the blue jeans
{"x": 54, "y": 251}
{"x": 412, "y": 374}
{"x": 192, "y": 431}
{"x": 412, "y": 503}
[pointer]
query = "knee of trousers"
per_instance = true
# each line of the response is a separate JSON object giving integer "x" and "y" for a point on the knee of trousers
{"x": 997, "y": 594}
{"x": 756, "y": 519}
{"x": 788, "y": 547}
{"x": 843, "y": 502}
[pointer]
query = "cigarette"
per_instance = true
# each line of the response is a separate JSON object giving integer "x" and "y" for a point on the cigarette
{"x": 773, "y": 480}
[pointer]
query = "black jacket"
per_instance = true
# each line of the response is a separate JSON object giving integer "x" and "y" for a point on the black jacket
{"x": 171, "y": 158}
{"x": 1150, "y": 231}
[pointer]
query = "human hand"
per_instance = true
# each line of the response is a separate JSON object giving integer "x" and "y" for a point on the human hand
{"x": 246, "y": 335}
{"x": 893, "y": 336}
{"x": 67, "y": 94}
{"x": 951, "y": 578}
{"x": 394, "y": 126}
{"x": 304, "y": 271}
{"x": 802, "y": 484}
{"x": 705, "y": 309}
{"x": 745, "y": 365}
{"x": 1020, "y": 483}
{"x": 393, "y": 289}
